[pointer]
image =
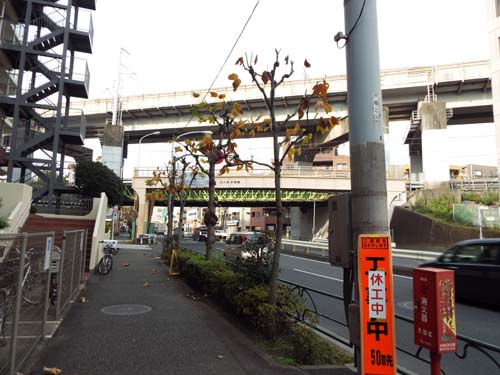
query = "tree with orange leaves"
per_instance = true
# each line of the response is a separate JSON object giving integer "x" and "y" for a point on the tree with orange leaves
{"x": 215, "y": 148}
{"x": 297, "y": 128}
{"x": 175, "y": 181}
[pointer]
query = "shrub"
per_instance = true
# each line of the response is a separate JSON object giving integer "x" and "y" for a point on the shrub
{"x": 488, "y": 198}
{"x": 440, "y": 207}
{"x": 310, "y": 349}
{"x": 4, "y": 223}
{"x": 243, "y": 293}
{"x": 267, "y": 319}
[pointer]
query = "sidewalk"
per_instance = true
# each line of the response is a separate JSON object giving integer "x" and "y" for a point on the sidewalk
{"x": 157, "y": 329}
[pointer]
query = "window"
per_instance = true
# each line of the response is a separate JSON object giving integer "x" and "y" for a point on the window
{"x": 490, "y": 254}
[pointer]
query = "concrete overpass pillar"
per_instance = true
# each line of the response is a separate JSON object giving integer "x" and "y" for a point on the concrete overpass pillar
{"x": 142, "y": 211}
{"x": 435, "y": 155}
{"x": 112, "y": 148}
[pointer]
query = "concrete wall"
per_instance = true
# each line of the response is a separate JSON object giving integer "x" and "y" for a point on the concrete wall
{"x": 16, "y": 203}
{"x": 11, "y": 194}
{"x": 415, "y": 231}
{"x": 98, "y": 235}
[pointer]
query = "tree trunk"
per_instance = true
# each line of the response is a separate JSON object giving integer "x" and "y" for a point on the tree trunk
{"x": 168, "y": 242}
{"x": 210, "y": 218}
{"x": 181, "y": 224}
{"x": 273, "y": 284}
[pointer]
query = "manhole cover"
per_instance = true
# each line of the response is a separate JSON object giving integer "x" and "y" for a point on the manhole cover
{"x": 406, "y": 305}
{"x": 126, "y": 309}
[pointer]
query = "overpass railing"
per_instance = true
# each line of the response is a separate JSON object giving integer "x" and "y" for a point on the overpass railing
{"x": 393, "y": 172}
{"x": 393, "y": 78}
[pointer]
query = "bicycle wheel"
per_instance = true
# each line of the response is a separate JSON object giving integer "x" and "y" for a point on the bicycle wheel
{"x": 32, "y": 289}
{"x": 105, "y": 264}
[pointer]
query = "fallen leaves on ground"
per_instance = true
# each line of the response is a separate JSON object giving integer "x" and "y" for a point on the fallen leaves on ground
{"x": 154, "y": 271}
{"x": 84, "y": 299}
{"x": 125, "y": 264}
{"x": 83, "y": 287}
{"x": 146, "y": 284}
{"x": 52, "y": 371}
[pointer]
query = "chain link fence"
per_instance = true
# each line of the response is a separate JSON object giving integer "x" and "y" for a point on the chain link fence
{"x": 477, "y": 215}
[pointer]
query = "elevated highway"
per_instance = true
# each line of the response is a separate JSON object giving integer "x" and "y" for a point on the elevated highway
{"x": 465, "y": 87}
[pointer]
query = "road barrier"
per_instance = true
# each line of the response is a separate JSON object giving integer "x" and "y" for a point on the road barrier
{"x": 320, "y": 248}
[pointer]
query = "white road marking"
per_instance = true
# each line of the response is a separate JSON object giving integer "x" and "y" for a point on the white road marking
{"x": 404, "y": 277}
{"x": 309, "y": 260}
{"x": 319, "y": 261}
{"x": 316, "y": 274}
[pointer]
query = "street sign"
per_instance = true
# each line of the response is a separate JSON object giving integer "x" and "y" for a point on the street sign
{"x": 376, "y": 301}
{"x": 230, "y": 158}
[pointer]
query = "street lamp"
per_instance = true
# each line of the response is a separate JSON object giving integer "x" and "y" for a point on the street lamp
{"x": 140, "y": 140}
{"x": 178, "y": 138}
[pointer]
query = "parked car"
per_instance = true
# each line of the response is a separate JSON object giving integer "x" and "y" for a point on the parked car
{"x": 477, "y": 269}
{"x": 242, "y": 246}
{"x": 160, "y": 228}
{"x": 200, "y": 234}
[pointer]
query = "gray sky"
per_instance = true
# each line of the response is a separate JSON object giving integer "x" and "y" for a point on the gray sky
{"x": 181, "y": 45}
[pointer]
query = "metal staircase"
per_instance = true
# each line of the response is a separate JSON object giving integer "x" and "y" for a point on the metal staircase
{"x": 41, "y": 48}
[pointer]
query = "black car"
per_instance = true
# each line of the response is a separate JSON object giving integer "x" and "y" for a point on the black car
{"x": 477, "y": 269}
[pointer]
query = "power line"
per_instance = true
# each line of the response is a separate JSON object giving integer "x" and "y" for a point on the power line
{"x": 229, "y": 54}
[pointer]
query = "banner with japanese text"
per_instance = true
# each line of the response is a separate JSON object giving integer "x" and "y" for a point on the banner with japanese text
{"x": 376, "y": 300}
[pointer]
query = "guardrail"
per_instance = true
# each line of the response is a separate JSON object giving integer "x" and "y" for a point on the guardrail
{"x": 319, "y": 248}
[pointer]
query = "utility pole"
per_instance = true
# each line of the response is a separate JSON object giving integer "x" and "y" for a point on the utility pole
{"x": 116, "y": 97}
{"x": 366, "y": 136}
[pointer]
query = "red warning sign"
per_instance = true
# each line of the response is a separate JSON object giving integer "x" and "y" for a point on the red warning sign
{"x": 378, "y": 341}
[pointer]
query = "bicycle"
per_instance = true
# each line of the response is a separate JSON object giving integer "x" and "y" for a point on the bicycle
{"x": 7, "y": 296}
{"x": 105, "y": 265}
{"x": 30, "y": 287}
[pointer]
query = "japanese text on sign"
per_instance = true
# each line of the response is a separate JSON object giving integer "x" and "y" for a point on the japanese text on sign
{"x": 376, "y": 305}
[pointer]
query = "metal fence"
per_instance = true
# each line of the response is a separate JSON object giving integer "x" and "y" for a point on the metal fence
{"x": 24, "y": 289}
{"x": 329, "y": 308}
{"x": 69, "y": 270}
{"x": 38, "y": 280}
{"x": 477, "y": 215}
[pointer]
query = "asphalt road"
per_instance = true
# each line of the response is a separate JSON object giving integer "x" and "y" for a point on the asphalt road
{"x": 473, "y": 321}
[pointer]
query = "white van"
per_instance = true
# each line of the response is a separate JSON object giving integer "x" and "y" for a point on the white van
{"x": 160, "y": 228}
{"x": 235, "y": 250}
